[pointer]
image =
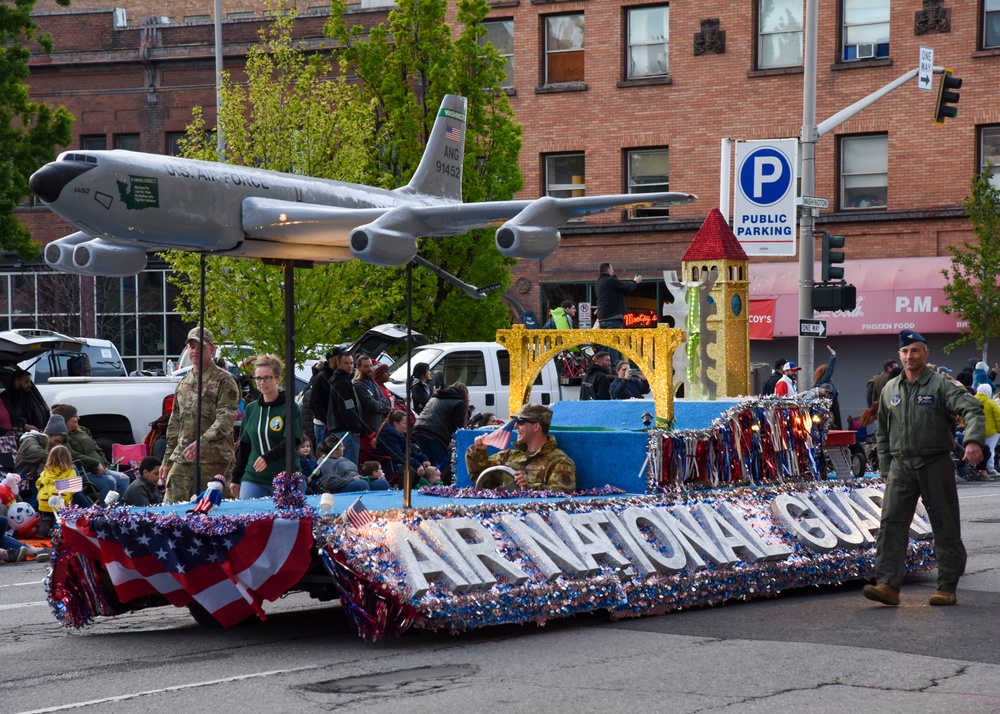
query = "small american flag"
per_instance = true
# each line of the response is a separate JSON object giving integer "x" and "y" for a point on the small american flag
{"x": 452, "y": 133}
{"x": 500, "y": 438}
{"x": 357, "y": 515}
{"x": 73, "y": 484}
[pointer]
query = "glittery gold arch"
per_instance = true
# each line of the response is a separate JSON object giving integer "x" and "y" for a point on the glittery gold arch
{"x": 652, "y": 350}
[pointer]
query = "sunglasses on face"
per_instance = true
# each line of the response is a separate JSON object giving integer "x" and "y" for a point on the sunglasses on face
{"x": 520, "y": 421}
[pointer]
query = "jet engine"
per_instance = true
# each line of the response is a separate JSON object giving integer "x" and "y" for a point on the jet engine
{"x": 536, "y": 242}
{"x": 59, "y": 253}
{"x": 382, "y": 242}
{"x": 98, "y": 257}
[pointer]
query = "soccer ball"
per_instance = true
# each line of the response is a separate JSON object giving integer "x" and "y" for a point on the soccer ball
{"x": 23, "y": 519}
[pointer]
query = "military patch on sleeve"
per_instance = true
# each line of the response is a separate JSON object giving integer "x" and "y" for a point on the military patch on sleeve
{"x": 896, "y": 399}
{"x": 925, "y": 400}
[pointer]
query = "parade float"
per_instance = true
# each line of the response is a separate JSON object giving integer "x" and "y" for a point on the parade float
{"x": 722, "y": 498}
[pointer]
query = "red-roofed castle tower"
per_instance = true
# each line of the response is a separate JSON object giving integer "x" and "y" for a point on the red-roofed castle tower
{"x": 715, "y": 248}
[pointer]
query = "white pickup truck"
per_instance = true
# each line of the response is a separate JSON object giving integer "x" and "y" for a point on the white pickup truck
{"x": 116, "y": 409}
{"x": 484, "y": 367}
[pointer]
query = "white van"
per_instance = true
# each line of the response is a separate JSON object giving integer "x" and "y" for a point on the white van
{"x": 484, "y": 367}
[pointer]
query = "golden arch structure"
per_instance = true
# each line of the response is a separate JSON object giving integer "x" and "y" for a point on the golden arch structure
{"x": 652, "y": 350}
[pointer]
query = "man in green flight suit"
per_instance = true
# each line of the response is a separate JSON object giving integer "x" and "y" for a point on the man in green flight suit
{"x": 219, "y": 404}
{"x": 538, "y": 463}
{"x": 917, "y": 417}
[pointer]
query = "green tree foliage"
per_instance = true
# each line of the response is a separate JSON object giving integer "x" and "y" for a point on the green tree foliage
{"x": 972, "y": 291}
{"x": 29, "y": 131}
{"x": 293, "y": 114}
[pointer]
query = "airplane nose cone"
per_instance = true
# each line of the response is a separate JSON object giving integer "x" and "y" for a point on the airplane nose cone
{"x": 48, "y": 181}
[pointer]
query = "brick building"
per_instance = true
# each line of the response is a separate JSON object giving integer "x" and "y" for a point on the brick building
{"x": 618, "y": 97}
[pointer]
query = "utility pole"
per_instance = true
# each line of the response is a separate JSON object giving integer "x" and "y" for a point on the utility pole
{"x": 807, "y": 170}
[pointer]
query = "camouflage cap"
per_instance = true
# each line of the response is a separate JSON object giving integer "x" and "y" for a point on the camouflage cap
{"x": 196, "y": 334}
{"x": 536, "y": 413}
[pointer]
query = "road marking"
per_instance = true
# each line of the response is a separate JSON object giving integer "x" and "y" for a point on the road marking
{"x": 16, "y": 585}
{"x": 175, "y": 688}
{"x": 16, "y": 605}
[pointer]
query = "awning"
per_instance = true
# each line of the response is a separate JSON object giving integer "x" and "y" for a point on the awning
{"x": 892, "y": 295}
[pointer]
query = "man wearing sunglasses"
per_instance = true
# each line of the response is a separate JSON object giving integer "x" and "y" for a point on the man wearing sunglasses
{"x": 538, "y": 462}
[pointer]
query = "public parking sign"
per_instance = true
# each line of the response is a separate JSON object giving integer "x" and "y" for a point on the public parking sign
{"x": 764, "y": 216}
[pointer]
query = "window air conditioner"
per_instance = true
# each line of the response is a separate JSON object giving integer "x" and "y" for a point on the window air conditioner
{"x": 866, "y": 51}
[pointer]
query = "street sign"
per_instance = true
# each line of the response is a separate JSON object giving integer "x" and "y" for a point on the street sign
{"x": 815, "y": 202}
{"x": 764, "y": 212}
{"x": 812, "y": 328}
{"x": 583, "y": 315}
{"x": 925, "y": 77}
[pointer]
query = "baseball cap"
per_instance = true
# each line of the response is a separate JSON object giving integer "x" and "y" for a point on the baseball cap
{"x": 791, "y": 366}
{"x": 536, "y": 413}
{"x": 196, "y": 335}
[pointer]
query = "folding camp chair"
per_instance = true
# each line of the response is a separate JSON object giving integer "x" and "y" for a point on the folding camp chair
{"x": 129, "y": 454}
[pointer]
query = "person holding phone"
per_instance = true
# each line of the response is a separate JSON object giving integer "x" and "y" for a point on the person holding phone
{"x": 611, "y": 306}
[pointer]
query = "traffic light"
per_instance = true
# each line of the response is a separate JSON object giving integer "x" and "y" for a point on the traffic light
{"x": 947, "y": 98}
{"x": 834, "y": 297}
{"x": 830, "y": 257}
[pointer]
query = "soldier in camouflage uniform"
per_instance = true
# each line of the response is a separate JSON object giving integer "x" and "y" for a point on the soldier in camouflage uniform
{"x": 537, "y": 461}
{"x": 219, "y": 405}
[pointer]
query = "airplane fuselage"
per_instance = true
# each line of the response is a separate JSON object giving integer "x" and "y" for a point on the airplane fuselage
{"x": 131, "y": 198}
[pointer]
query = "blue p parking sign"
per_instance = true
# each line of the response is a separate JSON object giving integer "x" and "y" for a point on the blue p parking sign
{"x": 764, "y": 205}
{"x": 765, "y": 176}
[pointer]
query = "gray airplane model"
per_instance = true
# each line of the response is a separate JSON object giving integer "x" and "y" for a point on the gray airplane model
{"x": 126, "y": 204}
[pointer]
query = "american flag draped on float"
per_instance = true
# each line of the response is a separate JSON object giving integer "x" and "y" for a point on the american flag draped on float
{"x": 228, "y": 573}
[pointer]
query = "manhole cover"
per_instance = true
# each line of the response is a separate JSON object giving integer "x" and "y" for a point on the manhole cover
{"x": 416, "y": 679}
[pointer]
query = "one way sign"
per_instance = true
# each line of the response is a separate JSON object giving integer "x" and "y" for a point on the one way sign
{"x": 812, "y": 328}
{"x": 926, "y": 69}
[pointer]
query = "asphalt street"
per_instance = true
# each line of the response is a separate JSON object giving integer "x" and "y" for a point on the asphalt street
{"x": 815, "y": 649}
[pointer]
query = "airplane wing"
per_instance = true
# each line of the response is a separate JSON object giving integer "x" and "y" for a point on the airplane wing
{"x": 388, "y": 236}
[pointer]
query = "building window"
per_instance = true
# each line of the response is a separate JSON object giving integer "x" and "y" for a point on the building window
{"x": 991, "y": 23}
{"x": 564, "y": 49}
{"x": 864, "y": 171}
{"x": 240, "y": 15}
{"x": 648, "y": 171}
{"x": 779, "y": 43}
{"x": 866, "y": 29}
{"x": 128, "y": 142}
{"x": 500, "y": 34}
{"x": 173, "y": 140}
{"x": 197, "y": 19}
{"x": 97, "y": 142}
{"x": 564, "y": 175}
{"x": 989, "y": 151}
{"x": 648, "y": 41}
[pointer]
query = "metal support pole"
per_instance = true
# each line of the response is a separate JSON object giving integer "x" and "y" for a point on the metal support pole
{"x": 407, "y": 480}
{"x": 290, "y": 455}
{"x": 726, "y": 161}
{"x": 808, "y": 183}
{"x": 201, "y": 377}
{"x": 219, "y": 67}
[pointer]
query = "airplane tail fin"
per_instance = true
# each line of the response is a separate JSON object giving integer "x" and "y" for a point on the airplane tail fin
{"x": 440, "y": 171}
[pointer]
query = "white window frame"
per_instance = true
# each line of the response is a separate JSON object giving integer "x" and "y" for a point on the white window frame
{"x": 877, "y": 171}
{"x": 855, "y": 23}
{"x": 550, "y": 51}
{"x": 648, "y": 44}
{"x": 991, "y": 23}
{"x": 564, "y": 189}
{"x": 765, "y": 35}
{"x": 989, "y": 151}
{"x": 647, "y": 187}
{"x": 508, "y": 81}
